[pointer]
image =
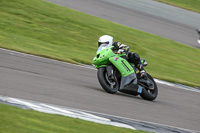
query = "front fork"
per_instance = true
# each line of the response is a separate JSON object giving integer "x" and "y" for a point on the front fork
{"x": 110, "y": 72}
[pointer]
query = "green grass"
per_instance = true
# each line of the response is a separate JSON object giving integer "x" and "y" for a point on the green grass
{"x": 193, "y": 5}
{"x": 45, "y": 29}
{"x": 16, "y": 120}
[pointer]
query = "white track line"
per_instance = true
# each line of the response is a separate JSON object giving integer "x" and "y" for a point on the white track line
{"x": 52, "y": 109}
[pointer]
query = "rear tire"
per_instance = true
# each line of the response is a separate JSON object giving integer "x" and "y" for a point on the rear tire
{"x": 150, "y": 94}
{"x": 110, "y": 86}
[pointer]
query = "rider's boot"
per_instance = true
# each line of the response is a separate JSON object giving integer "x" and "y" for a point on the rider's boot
{"x": 143, "y": 74}
{"x": 145, "y": 81}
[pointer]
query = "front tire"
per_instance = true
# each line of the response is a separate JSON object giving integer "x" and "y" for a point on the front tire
{"x": 148, "y": 94}
{"x": 110, "y": 86}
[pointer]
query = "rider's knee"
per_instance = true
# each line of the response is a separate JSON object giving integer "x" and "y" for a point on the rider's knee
{"x": 133, "y": 58}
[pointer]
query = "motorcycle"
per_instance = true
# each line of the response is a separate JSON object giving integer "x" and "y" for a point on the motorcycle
{"x": 198, "y": 31}
{"x": 116, "y": 74}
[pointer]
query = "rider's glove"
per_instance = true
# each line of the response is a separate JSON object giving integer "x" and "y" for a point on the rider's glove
{"x": 120, "y": 51}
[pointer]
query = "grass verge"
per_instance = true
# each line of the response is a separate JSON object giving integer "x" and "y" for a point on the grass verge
{"x": 14, "y": 120}
{"x": 45, "y": 29}
{"x": 192, "y": 5}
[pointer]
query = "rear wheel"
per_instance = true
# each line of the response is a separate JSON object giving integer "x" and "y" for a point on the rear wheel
{"x": 151, "y": 92}
{"x": 108, "y": 84}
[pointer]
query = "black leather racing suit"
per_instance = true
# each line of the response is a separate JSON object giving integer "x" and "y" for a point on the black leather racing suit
{"x": 131, "y": 56}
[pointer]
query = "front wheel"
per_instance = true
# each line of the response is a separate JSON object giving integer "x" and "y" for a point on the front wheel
{"x": 150, "y": 94}
{"x": 109, "y": 85}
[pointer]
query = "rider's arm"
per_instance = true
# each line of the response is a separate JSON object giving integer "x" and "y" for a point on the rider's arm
{"x": 119, "y": 45}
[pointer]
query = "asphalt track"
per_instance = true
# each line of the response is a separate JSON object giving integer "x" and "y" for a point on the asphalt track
{"x": 48, "y": 81}
{"x": 53, "y": 82}
{"x": 146, "y": 15}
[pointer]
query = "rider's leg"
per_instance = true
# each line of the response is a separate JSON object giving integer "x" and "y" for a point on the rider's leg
{"x": 135, "y": 58}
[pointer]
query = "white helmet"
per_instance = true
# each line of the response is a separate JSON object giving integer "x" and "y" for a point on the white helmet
{"x": 105, "y": 39}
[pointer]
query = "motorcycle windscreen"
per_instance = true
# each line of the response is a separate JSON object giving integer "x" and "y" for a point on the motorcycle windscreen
{"x": 102, "y": 47}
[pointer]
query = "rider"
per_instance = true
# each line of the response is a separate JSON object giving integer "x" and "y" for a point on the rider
{"x": 121, "y": 48}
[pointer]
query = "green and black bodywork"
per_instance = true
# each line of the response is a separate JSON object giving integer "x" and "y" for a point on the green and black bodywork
{"x": 115, "y": 73}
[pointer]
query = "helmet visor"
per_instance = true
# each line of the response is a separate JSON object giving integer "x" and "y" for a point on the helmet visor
{"x": 99, "y": 43}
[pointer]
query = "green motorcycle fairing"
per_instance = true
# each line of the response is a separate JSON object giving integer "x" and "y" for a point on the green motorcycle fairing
{"x": 122, "y": 65}
{"x": 107, "y": 55}
{"x": 104, "y": 56}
